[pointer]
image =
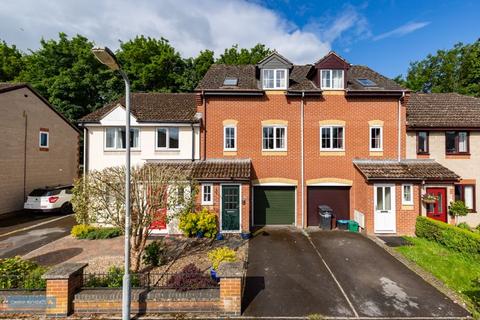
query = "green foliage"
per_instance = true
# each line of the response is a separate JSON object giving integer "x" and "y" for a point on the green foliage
{"x": 457, "y": 270}
{"x": 244, "y": 56}
{"x": 155, "y": 254}
{"x": 219, "y": 255}
{"x": 195, "y": 69}
{"x": 22, "y": 274}
{"x": 82, "y": 231}
{"x": 80, "y": 202}
{"x": 453, "y": 70}
{"x": 11, "y": 62}
{"x": 195, "y": 222}
{"x": 464, "y": 225}
{"x": 458, "y": 208}
{"x": 450, "y": 236}
{"x": 113, "y": 279}
{"x": 190, "y": 278}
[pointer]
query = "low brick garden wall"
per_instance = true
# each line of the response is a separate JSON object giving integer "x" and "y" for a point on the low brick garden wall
{"x": 22, "y": 301}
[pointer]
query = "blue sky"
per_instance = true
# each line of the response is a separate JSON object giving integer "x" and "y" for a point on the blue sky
{"x": 383, "y": 34}
{"x": 395, "y": 32}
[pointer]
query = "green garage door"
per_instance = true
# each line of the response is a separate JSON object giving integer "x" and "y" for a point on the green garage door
{"x": 274, "y": 205}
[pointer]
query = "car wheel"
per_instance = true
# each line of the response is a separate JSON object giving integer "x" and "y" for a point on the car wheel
{"x": 66, "y": 208}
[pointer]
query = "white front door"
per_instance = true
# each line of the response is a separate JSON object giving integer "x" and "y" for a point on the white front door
{"x": 384, "y": 209}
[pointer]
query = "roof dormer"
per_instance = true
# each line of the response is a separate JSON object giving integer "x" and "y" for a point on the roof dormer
{"x": 331, "y": 72}
{"x": 274, "y": 72}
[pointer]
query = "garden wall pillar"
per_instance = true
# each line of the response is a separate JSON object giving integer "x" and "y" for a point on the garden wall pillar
{"x": 62, "y": 283}
{"x": 231, "y": 280}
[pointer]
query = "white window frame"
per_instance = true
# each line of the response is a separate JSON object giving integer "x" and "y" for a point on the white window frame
{"x": 275, "y": 87}
{"x": 331, "y": 87}
{"x": 370, "y": 138}
{"x": 207, "y": 202}
{"x": 115, "y": 139}
{"x": 40, "y": 139}
{"x": 275, "y": 127}
{"x": 167, "y": 147}
{"x": 331, "y": 138}
{"x": 225, "y": 137}
{"x": 404, "y": 201}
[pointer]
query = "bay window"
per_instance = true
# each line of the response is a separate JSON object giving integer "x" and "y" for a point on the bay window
{"x": 115, "y": 138}
{"x": 331, "y": 79}
{"x": 274, "y": 138}
{"x": 167, "y": 138}
{"x": 332, "y": 138}
{"x": 274, "y": 78}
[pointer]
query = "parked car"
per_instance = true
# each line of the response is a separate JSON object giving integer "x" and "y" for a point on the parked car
{"x": 50, "y": 199}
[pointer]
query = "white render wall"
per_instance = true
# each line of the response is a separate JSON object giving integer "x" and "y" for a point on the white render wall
{"x": 466, "y": 168}
{"x": 99, "y": 158}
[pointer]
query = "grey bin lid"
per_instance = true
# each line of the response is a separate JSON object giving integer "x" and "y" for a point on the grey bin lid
{"x": 325, "y": 208}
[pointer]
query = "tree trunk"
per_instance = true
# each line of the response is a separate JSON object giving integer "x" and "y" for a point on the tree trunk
{"x": 136, "y": 256}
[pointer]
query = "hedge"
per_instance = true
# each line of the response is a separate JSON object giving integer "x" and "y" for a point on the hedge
{"x": 450, "y": 236}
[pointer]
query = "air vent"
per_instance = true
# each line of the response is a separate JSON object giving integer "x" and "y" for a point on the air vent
{"x": 229, "y": 81}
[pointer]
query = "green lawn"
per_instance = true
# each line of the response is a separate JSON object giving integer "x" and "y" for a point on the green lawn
{"x": 459, "y": 271}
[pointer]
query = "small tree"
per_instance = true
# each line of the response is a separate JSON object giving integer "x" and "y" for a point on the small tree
{"x": 154, "y": 188}
{"x": 458, "y": 208}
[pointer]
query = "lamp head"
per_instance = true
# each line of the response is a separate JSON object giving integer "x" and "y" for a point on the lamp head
{"x": 106, "y": 57}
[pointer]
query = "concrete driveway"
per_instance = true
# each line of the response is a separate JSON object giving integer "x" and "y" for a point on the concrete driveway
{"x": 335, "y": 274}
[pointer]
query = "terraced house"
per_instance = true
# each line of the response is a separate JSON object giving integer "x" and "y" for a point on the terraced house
{"x": 271, "y": 142}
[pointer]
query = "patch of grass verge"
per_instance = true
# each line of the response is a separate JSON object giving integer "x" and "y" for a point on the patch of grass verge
{"x": 459, "y": 271}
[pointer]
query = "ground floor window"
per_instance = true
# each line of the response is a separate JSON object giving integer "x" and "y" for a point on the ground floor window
{"x": 407, "y": 194}
{"x": 207, "y": 194}
{"x": 466, "y": 193}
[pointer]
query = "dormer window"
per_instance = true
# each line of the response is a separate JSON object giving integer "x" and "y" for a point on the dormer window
{"x": 274, "y": 79}
{"x": 331, "y": 79}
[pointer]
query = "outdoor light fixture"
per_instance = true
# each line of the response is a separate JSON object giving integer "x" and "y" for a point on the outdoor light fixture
{"x": 107, "y": 57}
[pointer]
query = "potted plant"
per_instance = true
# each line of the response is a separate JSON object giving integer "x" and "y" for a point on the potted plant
{"x": 429, "y": 198}
{"x": 458, "y": 208}
{"x": 219, "y": 255}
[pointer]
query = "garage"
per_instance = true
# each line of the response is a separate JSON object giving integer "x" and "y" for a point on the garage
{"x": 338, "y": 198}
{"x": 273, "y": 206}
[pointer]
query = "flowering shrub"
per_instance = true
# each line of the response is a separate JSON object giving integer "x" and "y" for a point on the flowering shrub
{"x": 204, "y": 222}
{"x": 219, "y": 255}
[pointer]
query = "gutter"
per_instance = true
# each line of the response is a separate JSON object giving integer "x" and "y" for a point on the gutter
{"x": 233, "y": 93}
{"x": 302, "y": 164}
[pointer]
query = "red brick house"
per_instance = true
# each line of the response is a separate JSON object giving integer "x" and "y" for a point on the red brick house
{"x": 326, "y": 133}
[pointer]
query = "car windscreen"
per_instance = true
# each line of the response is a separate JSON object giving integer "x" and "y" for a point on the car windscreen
{"x": 44, "y": 193}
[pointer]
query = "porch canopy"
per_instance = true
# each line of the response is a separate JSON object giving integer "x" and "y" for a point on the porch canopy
{"x": 211, "y": 169}
{"x": 411, "y": 170}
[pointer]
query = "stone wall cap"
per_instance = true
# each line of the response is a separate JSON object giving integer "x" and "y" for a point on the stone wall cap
{"x": 230, "y": 270}
{"x": 64, "y": 270}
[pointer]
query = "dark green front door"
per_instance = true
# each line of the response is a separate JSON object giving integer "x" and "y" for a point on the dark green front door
{"x": 274, "y": 205}
{"x": 230, "y": 208}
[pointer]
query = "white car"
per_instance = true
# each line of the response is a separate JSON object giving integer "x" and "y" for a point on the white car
{"x": 50, "y": 199}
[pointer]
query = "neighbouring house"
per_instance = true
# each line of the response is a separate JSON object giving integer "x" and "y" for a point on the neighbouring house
{"x": 311, "y": 132}
{"x": 39, "y": 145}
{"x": 445, "y": 127}
{"x": 166, "y": 131}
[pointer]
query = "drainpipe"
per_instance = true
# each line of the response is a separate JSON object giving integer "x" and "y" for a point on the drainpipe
{"x": 193, "y": 142}
{"x": 399, "y": 116}
{"x": 25, "y": 156}
{"x": 85, "y": 150}
{"x": 302, "y": 169}
{"x": 204, "y": 126}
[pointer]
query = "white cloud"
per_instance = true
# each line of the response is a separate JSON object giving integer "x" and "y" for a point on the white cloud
{"x": 402, "y": 30}
{"x": 190, "y": 25}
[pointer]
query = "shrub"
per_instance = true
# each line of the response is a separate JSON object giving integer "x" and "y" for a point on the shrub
{"x": 113, "y": 279}
{"x": 223, "y": 254}
{"x": 83, "y": 231}
{"x": 195, "y": 222}
{"x": 23, "y": 274}
{"x": 450, "y": 236}
{"x": 464, "y": 225}
{"x": 190, "y": 278}
{"x": 458, "y": 208}
{"x": 155, "y": 254}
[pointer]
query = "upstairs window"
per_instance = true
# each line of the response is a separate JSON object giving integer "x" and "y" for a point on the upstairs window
{"x": 167, "y": 138}
{"x": 115, "y": 138}
{"x": 274, "y": 78}
{"x": 376, "y": 138}
{"x": 230, "y": 138}
{"x": 331, "y": 79}
{"x": 422, "y": 142}
{"x": 456, "y": 142}
{"x": 43, "y": 139}
{"x": 331, "y": 138}
{"x": 274, "y": 138}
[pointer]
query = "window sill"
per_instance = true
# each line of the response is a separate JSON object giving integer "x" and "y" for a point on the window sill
{"x": 167, "y": 150}
{"x": 407, "y": 207}
{"x": 327, "y": 153}
{"x": 457, "y": 156}
{"x": 376, "y": 153}
{"x": 43, "y": 149}
{"x": 274, "y": 153}
{"x": 207, "y": 204}
{"x": 423, "y": 156}
{"x": 120, "y": 150}
{"x": 229, "y": 153}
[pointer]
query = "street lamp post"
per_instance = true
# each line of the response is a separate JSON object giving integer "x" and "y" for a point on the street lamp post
{"x": 107, "y": 57}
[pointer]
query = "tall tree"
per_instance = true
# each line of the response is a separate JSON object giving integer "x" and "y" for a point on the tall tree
{"x": 66, "y": 73}
{"x": 195, "y": 69}
{"x": 453, "y": 70}
{"x": 151, "y": 64}
{"x": 11, "y": 62}
{"x": 253, "y": 55}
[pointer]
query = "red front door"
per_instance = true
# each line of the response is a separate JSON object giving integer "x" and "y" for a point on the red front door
{"x": 438, "y": 210}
